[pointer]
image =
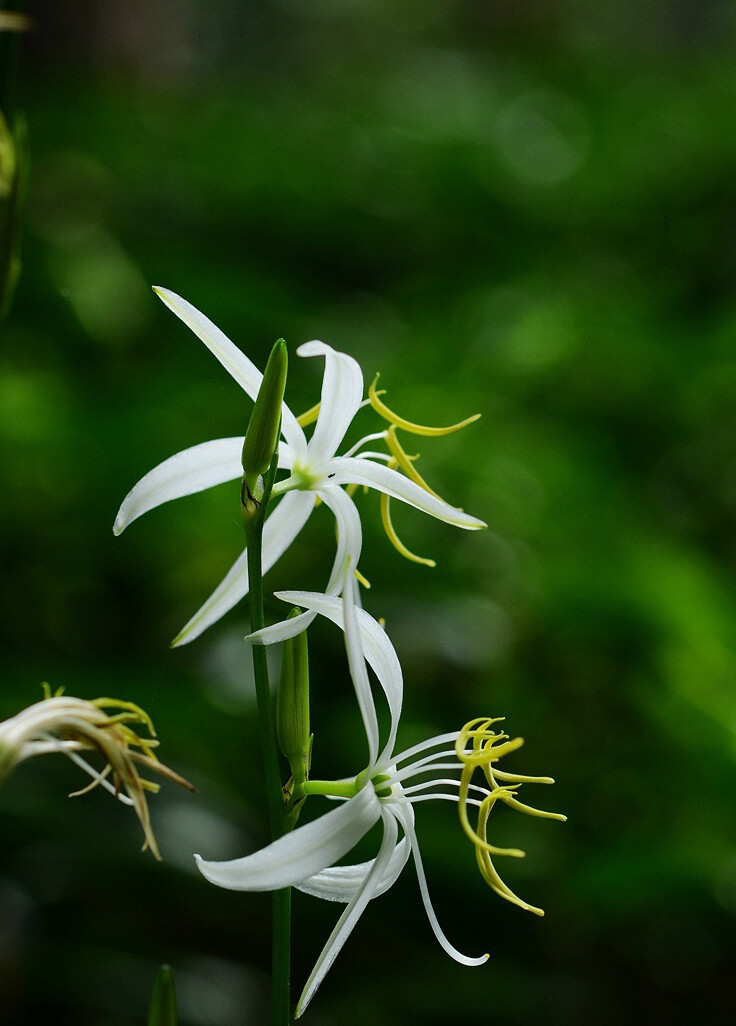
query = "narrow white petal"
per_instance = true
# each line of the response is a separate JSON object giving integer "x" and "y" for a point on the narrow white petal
{"x": 341, "y": 883}
{"x": 301, "y": 853}
{"x": 190, "y": 471}
{"x": 407, "y": 823}
{"x": 232, "y": 359}
{"x": 281, "y": 631}
{"x": 351, "y": 915}
{"x": 349, "y": 535}
{"x": 379, "y": 651}
{"x": 358, "y": 671}
{"x": 349, "y": 544}
{"x": 356, "y": 471}
{"x": 342, "y": 394}
{"x": 279, "y": 531}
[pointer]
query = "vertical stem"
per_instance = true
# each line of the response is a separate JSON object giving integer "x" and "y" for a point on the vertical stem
{"x": 281, "y": 900}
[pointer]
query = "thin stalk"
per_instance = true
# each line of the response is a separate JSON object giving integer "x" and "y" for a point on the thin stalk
{"x": 281, "y": 900}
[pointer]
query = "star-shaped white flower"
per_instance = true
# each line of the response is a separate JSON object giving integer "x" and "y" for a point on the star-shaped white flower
{"x": 387, "y": 791}
{"x": 314, "y": 471}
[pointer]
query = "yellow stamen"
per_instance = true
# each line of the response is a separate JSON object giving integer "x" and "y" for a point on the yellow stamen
{"x": 489, "y": 871}
{"x": 408, "y": 425}
{"x": 479, "y": 747}
{"x": 308, "y": 417}
{"x": 393, "y": 536}
{"x": 363, "y": 580}
{"x": 405, "y": 461}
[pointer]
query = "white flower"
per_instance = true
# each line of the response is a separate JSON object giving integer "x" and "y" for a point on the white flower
{"x": 315, "y": 471}
{"x": 386, "y": 790}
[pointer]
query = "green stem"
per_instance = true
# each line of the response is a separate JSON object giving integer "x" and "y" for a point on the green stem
{"x": 281, "y": 900}
{"x": 331, "y": 788}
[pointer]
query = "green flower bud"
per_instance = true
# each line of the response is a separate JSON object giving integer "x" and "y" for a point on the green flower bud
{"x": 163, "y": 1000}
{"x": 262, "y": 435}
{"x": 292, "y": 705}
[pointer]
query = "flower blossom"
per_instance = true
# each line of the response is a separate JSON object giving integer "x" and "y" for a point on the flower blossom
{"x": 73, "y": 725}
{"x": 386, "y": 790}
{"x": 315, "y": 472}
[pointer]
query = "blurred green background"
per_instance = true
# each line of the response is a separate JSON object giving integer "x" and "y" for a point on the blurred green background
{"x": 521, "y": 208}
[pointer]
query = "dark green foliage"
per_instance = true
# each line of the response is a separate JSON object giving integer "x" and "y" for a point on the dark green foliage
{"x": 521, "y": 209}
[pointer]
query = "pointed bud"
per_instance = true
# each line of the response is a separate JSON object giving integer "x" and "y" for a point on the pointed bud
{"x": 262, "y": 435}
{"x": 292, "y": 705}
{"x": 163, "y": 999}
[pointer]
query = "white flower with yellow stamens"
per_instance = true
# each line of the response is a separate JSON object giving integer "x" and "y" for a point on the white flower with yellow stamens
{"x": 315, "y": 472}
{"x": 73, "y": 725}
{"x": 387, "y": 790}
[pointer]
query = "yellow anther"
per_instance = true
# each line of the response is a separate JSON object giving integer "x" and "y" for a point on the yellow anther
{"x": 405, "y": 461}
{"x": 479, "y": 747}
{"x": 393, "y": 536}
{"x": 308, "y": 417}
{"x": 352, "y": 489}
{"x": 363, "y": 580}
{"x": 408, "y": 425}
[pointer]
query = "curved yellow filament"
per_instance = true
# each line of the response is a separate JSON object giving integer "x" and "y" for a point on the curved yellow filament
{"x": 462, "y": 808}
{"x": 488, "y": 870}
{"x": 309, "y": 416}
{"x": 405, "y": 461}
{"x": 478, "y": 747}
{"x": 363, "y": 580}
{"x": 408, "y": 425}
{"x": 391, "y": 531}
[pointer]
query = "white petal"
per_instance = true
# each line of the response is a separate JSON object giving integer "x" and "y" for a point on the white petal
{"x": 279, "y": 531}
{"x": 351, "y": 915}
{"x": 193, "y": 470}
{"x": 341, "y": 883}
{"x": 356, "y": 471}
{"x": 400, "y": 811}
{"x": 281, "y": 631}
{"x": 299, "y": 854}
{"x": 342, "y": 394}
{"x": 356, "y": 662}
{"x": 349, "y": 535}
{"x": 349, "y": 544}
{"x": 232, "y": 359}
{"x": 377, "y": 647}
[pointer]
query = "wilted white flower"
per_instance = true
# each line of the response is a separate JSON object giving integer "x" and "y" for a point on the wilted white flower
{"x": 73, "y": 726}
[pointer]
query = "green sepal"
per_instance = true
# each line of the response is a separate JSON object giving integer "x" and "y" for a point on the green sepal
{"x": 163, "y": 999}
{"x": 262, "y": 435}
{"x": 292, "y": 705}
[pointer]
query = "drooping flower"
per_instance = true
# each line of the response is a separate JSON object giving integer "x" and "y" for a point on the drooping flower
{"x": 386, "y": 790}
{"x": 74, "y": 725}
{"x": 315, "y": 472}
